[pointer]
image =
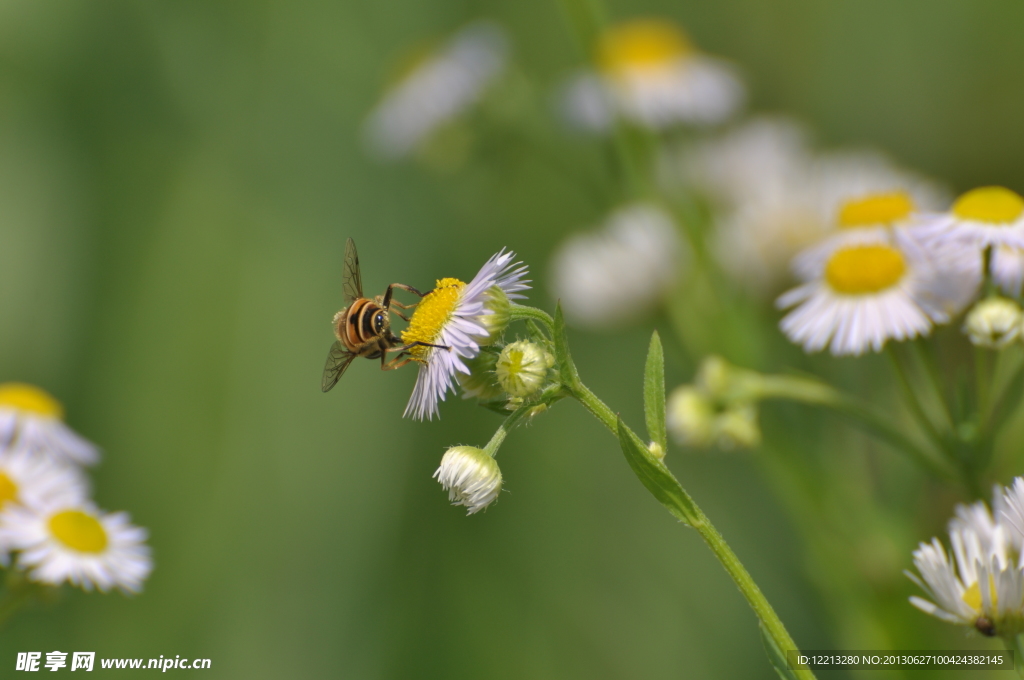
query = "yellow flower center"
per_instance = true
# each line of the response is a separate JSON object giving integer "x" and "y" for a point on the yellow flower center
{"x": 972, "y": 596}
{"x": 865, "y": 269}
{"x": 8, "y": 490}
{"x": 432, "y": 313}
{"x": 876, "y": 209}
{"x": 79, "y": 531}
{"x": 642, "y": 43}
{"x": 29, "y": 398}
{"x": 989, "y": 204}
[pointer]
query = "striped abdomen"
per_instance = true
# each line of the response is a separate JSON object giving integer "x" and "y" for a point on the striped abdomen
{"x": 361, "y": 322}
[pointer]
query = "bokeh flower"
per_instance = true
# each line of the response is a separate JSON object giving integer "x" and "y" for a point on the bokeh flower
{"x": 862, "y": 296}
{"x": 452, "y": 315}
{"x": 74, "y": 542}
{"x": 773, "y": 196}
{"x": 31, "y": 419}
{"x": 620, "y": 272}
{"x": 649, "y": 73}
{"x": 437, "y": 90}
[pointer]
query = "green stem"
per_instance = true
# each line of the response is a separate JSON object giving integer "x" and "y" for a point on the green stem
{"x": 699, "y": 521}
{"x": 931, "y": 372}
{"x": 492, "y": 446}
{"x": 18, "y": 593}
{"x": 913, "y": 403}
{"x": 523, "y": 312}
{"x": 813, "y": 392}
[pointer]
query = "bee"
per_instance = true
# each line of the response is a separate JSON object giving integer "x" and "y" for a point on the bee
{"x": 363, "y": 328}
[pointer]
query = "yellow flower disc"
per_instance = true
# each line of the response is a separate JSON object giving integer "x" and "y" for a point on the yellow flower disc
{"x": 8, "y": 490}
{"x": 641, "y": 43}
{"x": 432, "y": 313}
{"x": 29, "y": 398}
{"x": 865, "y": 269}
{"x": 989, "y": 204}
{"x": 79, "y": 531}
{"x": 972, "y": 596}
{"x": 876, "y": 209}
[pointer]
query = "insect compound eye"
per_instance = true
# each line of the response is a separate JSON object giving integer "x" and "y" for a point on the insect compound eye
{"x": 378, "y": 321}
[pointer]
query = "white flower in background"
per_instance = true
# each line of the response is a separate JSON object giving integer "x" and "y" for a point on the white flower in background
{"x": 437, "y": 90}
{"x": 31, "y": 481}
{"x": 649, "y": 73}
{"x": 470, "y": 476}
{"x": 981, "y": 218}
{"x": 774, "y": 197}
{"x": 453, "y": 315}
{"x": 1007, "y": 269}
{"x": 982, "y": 584}
{"x": 77, "y": 543}
{"x": 994, "y": 323}
{"x": 620, "y": 272}
{"x": 862, "y": 296}
{"x": 33, "y": 420}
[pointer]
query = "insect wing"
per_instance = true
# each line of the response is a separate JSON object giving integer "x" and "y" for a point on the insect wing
{"x": 352, "y": 279}
{"x": 338, "y": 360}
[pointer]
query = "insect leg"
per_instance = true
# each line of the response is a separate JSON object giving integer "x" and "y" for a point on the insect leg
{"x": 389, "y": 292}
{"x": 397, "y": 362}
{"x": 416, "y": 344}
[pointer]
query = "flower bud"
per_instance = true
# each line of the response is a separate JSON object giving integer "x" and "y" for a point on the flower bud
{"x": 523, "y": 367}
{"x": 691, "y": 416}
{"x": 994, "y": 323}
{"x": 738, "y": 427}
{"x": 501, "y": 313}
{"x": 470, "y": 476}
{"x": 480, "y": 382}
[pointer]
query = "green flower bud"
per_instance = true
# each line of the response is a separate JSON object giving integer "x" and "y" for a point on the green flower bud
{"x": 691, "y": 416}
{"x": 501, "y": 313}
{"x": 522, "y": 368}
{"x": 470, "y": 476}
{"x": 994, "y": 323}
{"x": 480, "y": 382}
{"x": 738, "y": 427}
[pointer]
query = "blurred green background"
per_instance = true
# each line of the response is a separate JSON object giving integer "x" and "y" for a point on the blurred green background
{"x": 177, "y": 181}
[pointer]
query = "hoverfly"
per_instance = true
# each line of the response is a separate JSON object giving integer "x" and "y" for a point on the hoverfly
{"x": 363, "y": 328}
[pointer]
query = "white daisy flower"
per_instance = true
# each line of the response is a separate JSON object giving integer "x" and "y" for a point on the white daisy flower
{"x": 31, "y": 481}
{"x": 773, "y": 196}
{"x": 864, "y": 220}
{"x": 620, "y": 272}
{"x": 455, "y": 315}
{"x": 77, "y": 543}
{"x": 649, "y": 74}
{"x": 470, "y": 476}
{"x": 982, "y": 584}
{"x": 31, "y": 419}
{"x": 438, "y": 89}
{"x": 862, "y": 296}
{"x": 1007, "y": 269}
{"x": 986, "y": 216}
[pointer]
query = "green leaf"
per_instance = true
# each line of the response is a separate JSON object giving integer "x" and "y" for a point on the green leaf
{"x": 566, "y": 368}
{"x": 655, "y": 476}
{"x": 776, "y": 657}
{"x": 654, "y": 393}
